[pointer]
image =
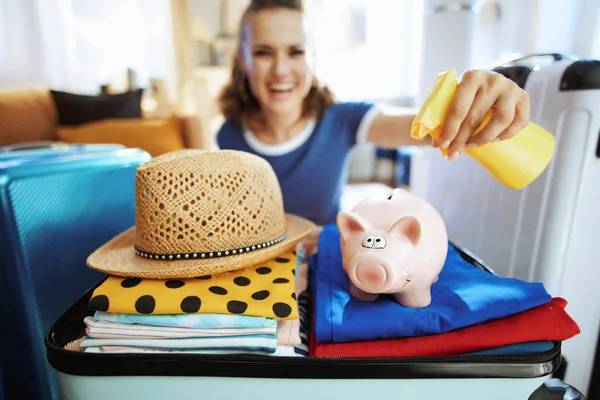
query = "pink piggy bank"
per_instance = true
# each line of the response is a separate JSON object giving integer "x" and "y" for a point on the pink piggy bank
{"x": 394, "y": 245}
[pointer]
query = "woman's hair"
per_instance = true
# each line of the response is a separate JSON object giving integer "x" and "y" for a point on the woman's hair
{"x": 236, "y": 99}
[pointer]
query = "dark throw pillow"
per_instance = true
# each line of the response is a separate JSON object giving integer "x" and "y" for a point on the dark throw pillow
{"x": 76, "y": 109}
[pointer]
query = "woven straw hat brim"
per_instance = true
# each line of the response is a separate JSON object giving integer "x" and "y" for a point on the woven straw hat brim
{"x": 117, "y": 256}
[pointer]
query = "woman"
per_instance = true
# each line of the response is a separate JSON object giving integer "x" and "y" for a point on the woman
{"x": 275, "y": 108}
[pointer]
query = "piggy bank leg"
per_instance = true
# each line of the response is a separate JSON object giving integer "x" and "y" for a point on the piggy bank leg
{"x": 362, "y": 295}
{"x": 418, "y": 297}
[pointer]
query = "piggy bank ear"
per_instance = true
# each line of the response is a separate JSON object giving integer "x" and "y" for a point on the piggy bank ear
{"x": 349, "y": 223}
{"x": 409, "y": 227}
{"x": 397, "y": 192}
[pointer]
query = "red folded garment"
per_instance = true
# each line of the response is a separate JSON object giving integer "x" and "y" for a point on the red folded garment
{"x": 549, "y": 321}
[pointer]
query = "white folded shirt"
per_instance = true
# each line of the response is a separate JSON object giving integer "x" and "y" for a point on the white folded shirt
{"x": 281, "y": 351}
{"x": 266, "y": 343}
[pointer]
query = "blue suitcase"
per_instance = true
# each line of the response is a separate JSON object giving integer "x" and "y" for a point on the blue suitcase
{"x": 56, "y": 206}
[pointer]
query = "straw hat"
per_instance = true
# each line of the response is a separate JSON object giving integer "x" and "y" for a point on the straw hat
{"x": 200, "y": 213}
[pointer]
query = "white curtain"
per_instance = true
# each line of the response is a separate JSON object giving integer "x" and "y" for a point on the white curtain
{"x": 24, "y": 55}
{"x": 78, "y": 45}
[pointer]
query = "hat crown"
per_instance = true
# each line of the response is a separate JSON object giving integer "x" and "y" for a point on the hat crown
{"x": 195, "y": 201}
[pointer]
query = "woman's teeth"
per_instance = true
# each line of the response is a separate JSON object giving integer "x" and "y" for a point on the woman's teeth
{"x": 281, "y": 87}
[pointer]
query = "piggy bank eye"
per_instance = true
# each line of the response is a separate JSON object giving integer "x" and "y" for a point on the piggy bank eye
{"x": 368, "y": 242}
{"x": 379, "y": 243}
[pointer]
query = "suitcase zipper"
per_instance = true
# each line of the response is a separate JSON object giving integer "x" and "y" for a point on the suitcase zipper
{"x": 484, "y": 358}
{"x": 262, "y": 366}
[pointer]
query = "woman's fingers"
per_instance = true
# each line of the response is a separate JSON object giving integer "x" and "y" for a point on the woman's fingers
{"x": 510, "y": 115}
{"x": 520, "y": 121}
{"x": 477, "y": 94}
{"x": 459, "y": 108}
{"x": 482, "y": 104}
{"x": 502, "y": 117}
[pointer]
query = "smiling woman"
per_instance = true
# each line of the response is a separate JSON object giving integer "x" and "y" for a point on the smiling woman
{"x": 276, "y": 108}
{"x": 272, "y": 71}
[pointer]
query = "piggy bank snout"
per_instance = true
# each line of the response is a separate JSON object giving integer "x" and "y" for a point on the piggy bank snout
{"x": 371, "y": 274}
{"x": 374, "y": 274}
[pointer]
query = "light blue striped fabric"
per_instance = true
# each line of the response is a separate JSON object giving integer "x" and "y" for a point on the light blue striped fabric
{"x": 267, "y": 343}
{"x": 199, "y": 321}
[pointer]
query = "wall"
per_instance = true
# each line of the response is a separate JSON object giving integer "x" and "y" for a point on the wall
{"x": 509, "y": 27}
{"x": 494, "y": 31}
{"x": 214, "y": 26}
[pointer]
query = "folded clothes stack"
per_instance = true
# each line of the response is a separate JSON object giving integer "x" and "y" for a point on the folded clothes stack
{"x": 252, "y": 310}
{"x": 472, "y": 312}
{"x": 209, "y": 267}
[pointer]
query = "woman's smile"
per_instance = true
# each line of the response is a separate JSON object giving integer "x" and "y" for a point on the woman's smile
{"x": 281, "y": 91}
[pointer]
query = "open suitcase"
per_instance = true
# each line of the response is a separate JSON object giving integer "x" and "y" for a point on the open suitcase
{"x": 57, "y": 203}
{"x": 95, "y": 376}
{"x": 548, "y": 231}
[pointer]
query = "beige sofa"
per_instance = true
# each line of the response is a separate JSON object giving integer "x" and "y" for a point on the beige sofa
{"x": 28, "y": 114}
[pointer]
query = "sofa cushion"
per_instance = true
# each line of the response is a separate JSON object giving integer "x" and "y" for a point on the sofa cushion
{"x": 155, "y": 135}
{"x": 75, "y": 109}
{"x": 26, "y": 114}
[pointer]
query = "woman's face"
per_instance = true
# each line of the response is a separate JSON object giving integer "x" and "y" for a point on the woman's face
{"x": 274, "y": 55}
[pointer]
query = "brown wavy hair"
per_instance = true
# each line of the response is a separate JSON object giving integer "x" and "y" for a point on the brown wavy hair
{"x": 236, "y": 99}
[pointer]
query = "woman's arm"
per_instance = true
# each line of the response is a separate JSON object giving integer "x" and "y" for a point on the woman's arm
{"x": 390, "y": 129}
{"x": 477, "y": 93}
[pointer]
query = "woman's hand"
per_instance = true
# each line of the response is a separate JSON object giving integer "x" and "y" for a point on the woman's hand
{"x": 477, "y": 93}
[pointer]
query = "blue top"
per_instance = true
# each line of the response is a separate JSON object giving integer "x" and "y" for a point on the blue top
{"x": 312, "y": 166}
{"x": 463, "y": 296}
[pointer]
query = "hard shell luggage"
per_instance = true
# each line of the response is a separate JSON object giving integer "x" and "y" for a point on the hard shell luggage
{"x": 94, "y": 376}
{"x": 37, "y": 151}
{"x": 56, "y": 205}
{"x": 548, "y": 231}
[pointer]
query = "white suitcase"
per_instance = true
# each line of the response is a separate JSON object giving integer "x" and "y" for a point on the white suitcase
{"x": 158, "y": 376}
{"x": 550, "y": 230}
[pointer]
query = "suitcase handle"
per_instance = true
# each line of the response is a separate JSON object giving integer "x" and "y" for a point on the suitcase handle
{"x": 555, "y": 57}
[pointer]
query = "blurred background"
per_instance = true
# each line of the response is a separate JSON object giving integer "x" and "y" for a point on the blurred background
{"x": 179, "y": 50}
{"x": 178, "y": 54}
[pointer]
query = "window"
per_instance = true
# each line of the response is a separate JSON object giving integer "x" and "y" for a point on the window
{"x": 368, "y": 49}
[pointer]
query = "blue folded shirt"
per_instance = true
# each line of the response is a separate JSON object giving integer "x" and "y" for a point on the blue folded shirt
{"x": 463, "y": 296}
{"x": 521, "y": 349}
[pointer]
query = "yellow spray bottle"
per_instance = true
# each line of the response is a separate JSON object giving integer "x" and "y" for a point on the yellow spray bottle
{"x": 516, "y": 162}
